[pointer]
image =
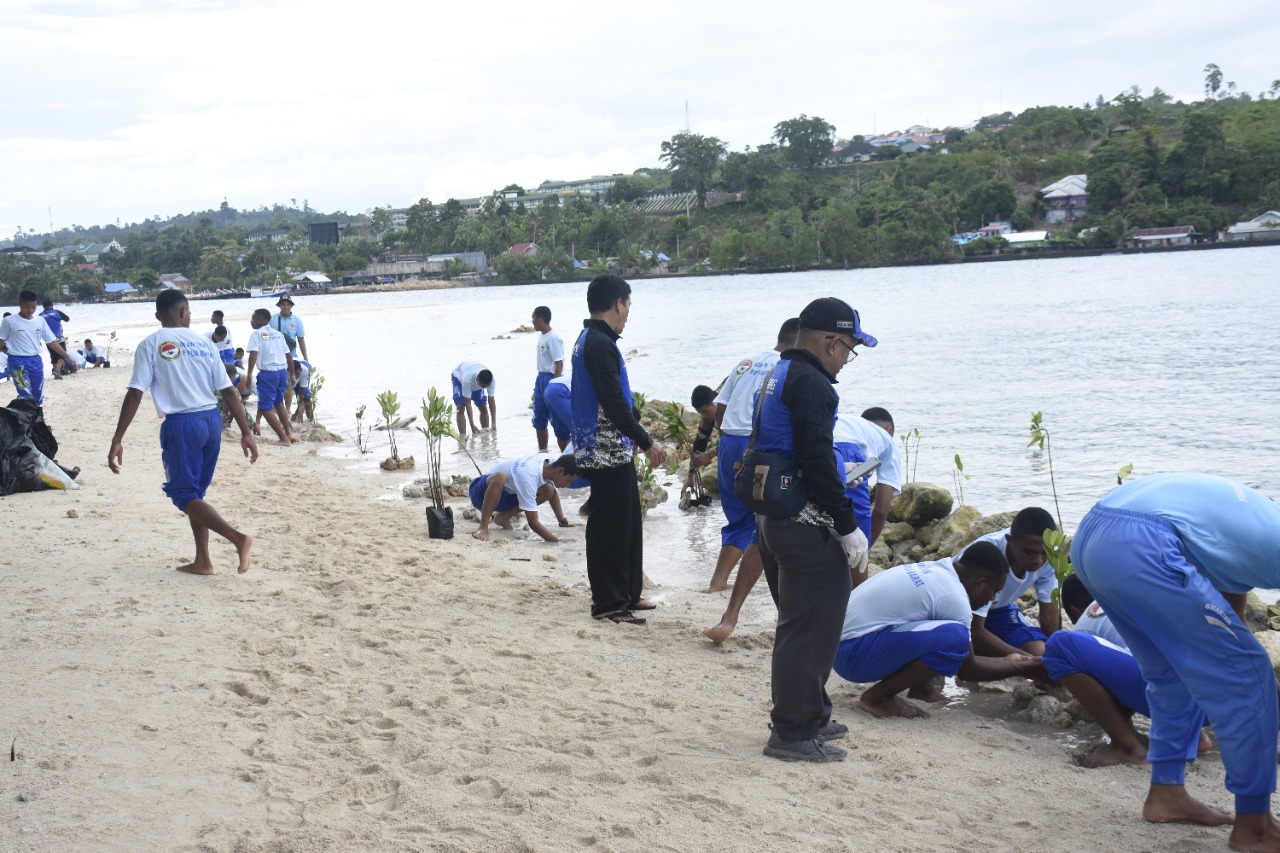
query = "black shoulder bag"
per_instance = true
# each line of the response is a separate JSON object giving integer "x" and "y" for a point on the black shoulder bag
{"x": 767, "y": 483}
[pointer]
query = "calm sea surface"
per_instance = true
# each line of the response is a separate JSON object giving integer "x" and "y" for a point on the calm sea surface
{"x": 1166, "y": 362}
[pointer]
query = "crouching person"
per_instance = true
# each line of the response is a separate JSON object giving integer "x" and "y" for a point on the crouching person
{"x": 909, "y": 624}
{"x": 519, "y": 485}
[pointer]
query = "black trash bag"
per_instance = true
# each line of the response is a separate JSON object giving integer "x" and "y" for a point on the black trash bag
{"x": 439, "y": 523}
{"x": 23, "y": 432}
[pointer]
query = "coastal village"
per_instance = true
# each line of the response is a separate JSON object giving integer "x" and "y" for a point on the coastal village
{"x": 807, "y": 199}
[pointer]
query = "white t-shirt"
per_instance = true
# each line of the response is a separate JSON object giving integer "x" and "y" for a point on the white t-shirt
{"x": 466, "y": 374}
{"x": 738, "y": 394}
{"x": 917, "y": 592}
{"x": 226, "y": 342}
{"x": 1043, "y": 578}
{"x": 1096, "y": 622}
{"x": 550, "y": 350}
{"x": 180, "y": 368}
{"x": 524, "y": 478}
{"x": 270, "y": 347}
{"x": 874, "y": 441}
{"x": 26, "y": 337}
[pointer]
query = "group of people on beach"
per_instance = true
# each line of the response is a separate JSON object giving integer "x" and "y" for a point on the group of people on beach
{"x": 1162, "y": 564}
{"x": 29, "y": 334}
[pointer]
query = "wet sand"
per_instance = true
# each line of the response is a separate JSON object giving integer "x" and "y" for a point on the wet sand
{"x": 363, "y": 687}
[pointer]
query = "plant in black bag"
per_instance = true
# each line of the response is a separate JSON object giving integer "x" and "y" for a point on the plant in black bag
{"x": 437, "y": 419}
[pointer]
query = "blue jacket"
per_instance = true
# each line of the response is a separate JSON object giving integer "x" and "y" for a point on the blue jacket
{"x": 605, "y": 423}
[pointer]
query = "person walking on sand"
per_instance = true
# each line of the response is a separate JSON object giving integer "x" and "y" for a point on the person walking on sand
{"x": 21, "y": 336}
{"x": 57, "y": 357}
{"x": 815, "y": 552}
{"x": 182, "y": 371}
{"x": 1172, "y": 558}
{"x": 269, "y": 353}
{"x": 550, "y": 366}
{"x": 606, "y": 429}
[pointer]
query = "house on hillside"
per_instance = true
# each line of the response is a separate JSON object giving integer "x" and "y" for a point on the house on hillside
{"x": 854, "y": 152}
{"x": 267, "y": 235}
{"x": 313, "y": 278}
{"x": 116, "y": 289}
{"x": 1066, "y": 198}
{"x": 1025, "y": 239}
{"x": 530, "y": 249}
{"x": 995, "y": 229}
{"x": 92, "y": 251}
{"x": 90, "y": 267}
{"x": 175, "y": 281}
{"x": 1178, "y": 235}
{"x": 1263, "y": 227}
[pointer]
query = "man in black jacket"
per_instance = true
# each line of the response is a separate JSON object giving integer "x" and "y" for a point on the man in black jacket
{"x": 813, "y": 551}
{"x": 606, "y": 429}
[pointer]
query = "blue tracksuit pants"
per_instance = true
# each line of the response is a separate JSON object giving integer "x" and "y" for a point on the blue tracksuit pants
{"x": 1193, "y": 650}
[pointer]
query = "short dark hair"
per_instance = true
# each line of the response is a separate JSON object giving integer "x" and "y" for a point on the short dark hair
{"x": 983, "y": 558}
{"x": 48, "y": 303}
{"x": 604, "y": 290}
{"x": 485, "y": 377}
{"x": 875, "y": 413}
{"x": 168, "y": 299}
{"x": 567, "y": 464}
{"x": 788, "y": 330}
{"x": 542, "y": 311}
{"x": 239, "y": 351}
{"x": 217, "y": 312}
{"x": 220, "y": 330}
{"x": 28, "y": 296}
{"x": 1074, "y": 594}
{"x": 1032, "y": 521}
{"x": 702, "y": 395}
{"x": 87, "y": 342}
{"x": 262, "y": 312}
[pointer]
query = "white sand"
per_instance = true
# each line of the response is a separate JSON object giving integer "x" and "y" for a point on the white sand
{"x": 365, "y": 688}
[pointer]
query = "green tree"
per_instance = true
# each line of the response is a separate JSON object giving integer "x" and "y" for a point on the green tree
{"x": 422, "y": 226}
{"x": 805, "y": 141}
{"x": 1212, "y": 80}
{"x": 692, "y": 159}
{"x": 628, "y": 188}
{"x": 514, "y": 268}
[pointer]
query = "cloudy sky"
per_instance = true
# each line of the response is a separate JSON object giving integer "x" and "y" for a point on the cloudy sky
{"x": 127, "y": 109}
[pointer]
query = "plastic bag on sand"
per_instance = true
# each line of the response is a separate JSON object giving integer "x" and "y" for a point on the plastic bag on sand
{"x": 52, "y": 475}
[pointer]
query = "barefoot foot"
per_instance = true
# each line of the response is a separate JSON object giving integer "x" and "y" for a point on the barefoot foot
{"x": 1109, "y": 755}
{"x": 894, "y": 706}
{"x": 243, "y": 550}
{"x": 929, "y": 692}
{"x": 1172, "y": 804}
{"x": 721, "y": 632}
{"x": 196, "y": 569}
{"x": 1257, "y": 833}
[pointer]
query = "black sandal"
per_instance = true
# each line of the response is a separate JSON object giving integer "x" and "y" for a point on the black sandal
{"x": 621, "y": 617}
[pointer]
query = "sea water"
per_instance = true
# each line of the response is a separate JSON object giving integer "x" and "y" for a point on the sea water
{"x": 1163, "y": 362}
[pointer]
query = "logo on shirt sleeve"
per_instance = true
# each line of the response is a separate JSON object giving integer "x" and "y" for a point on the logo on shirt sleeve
{"x": 169, "y": 350}
{"x": 744, "y": 367}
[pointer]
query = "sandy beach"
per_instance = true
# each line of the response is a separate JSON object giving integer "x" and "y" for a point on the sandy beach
{"x": 365, "y": 688}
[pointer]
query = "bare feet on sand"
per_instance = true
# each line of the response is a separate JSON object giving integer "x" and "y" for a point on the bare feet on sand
{"x": 1172, "y": 804}
{"x": 243, "y": 550}
{"x": 284, "y": 442}
{"x": 1110, "y": 755}
{"x": 196, "y": 569}
{"x": 1257, "y": 833}
{"x": 721, "y": 632}
{"x": 930, "y": 692}
{"x": 894, "y": 706}
{"x": 717, "y": 587}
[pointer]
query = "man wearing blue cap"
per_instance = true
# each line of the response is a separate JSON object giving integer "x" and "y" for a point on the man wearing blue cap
{"x": 812, "y": 553}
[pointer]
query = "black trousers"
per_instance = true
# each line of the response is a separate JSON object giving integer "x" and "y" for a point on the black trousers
{"x": 809, "y": 575}
{"x": 615, "y": 539}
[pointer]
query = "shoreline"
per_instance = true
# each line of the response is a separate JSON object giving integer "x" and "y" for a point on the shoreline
{"x": 363, "y": 687}
{"x": 448, "y": 284}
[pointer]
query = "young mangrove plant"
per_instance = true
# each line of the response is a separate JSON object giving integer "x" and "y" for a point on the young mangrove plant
{"x": 1040, "y": 439}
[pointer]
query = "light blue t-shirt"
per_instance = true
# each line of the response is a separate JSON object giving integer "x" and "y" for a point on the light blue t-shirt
{"x": 1230, "y": 532}
{"x": 917, "y": 592}
{"x": 1044, "y": 579}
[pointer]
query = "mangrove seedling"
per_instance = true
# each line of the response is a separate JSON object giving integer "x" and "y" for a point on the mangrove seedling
{"x": 362, "y": 434}
{"x": 1040, "y": 439}
{"x": 1124, "y": 472}
{"x": 389, "y": 402}
{"x": 437, "y": 420}
{"x": 910, "y": 451}
{"x": 958, "y": 476}
{"x": 1057, "y": 547}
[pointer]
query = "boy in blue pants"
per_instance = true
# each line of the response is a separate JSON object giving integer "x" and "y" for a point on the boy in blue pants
{"x": 23, "y": 336}
{"x": 182, "y": 371}
{"x": 1171, "y": 558}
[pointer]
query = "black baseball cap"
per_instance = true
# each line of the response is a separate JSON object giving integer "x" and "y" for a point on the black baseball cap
{"x": 829, "y": 314}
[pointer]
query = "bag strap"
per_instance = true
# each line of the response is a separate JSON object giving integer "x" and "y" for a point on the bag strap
{"x": 755, "y": 418}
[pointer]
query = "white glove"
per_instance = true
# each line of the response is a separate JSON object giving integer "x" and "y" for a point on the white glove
{"x": 856, "y": 550}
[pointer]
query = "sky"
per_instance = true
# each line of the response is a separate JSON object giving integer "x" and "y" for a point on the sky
{"x": 128, "y": 109}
